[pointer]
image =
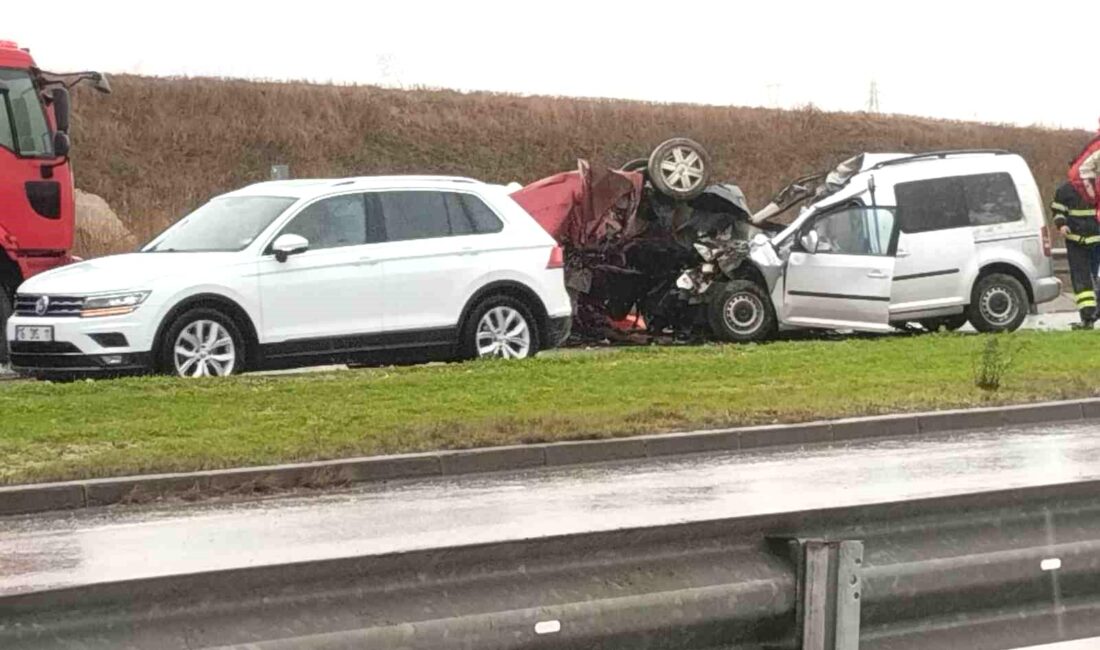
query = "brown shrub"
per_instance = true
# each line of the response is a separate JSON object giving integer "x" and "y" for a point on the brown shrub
{"x": 159, "y": 147}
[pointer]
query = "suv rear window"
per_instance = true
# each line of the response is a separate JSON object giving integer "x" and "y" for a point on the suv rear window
{"x": 957, "y": 201}
{"x": 426, "y": 214}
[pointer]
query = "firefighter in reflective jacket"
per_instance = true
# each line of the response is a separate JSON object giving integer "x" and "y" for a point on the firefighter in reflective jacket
{"x": 1076, "y": 218}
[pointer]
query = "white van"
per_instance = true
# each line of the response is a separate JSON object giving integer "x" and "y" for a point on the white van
{"x": 940, "y": 238}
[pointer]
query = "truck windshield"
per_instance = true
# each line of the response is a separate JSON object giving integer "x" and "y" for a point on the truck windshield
{"x": 23, "y": 126}
{"x": 225, "y": 224}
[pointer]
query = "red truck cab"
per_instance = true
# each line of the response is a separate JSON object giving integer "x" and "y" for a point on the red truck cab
{"x": 37, "y": 210}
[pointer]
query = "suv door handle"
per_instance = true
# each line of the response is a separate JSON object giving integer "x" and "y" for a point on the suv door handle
{"x": 877, "y": 274}
{"x": 467, "y": 250}
{"x": 367, "y": 260}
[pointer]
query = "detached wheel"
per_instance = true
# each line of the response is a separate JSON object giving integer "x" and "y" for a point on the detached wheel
{"x": 998, "y": 303}
{"x": 5, "y": 314}
{"x": 679, "y": 168}
{"x": 500, "y": 327}
{"x": 949, "y": 323}
{"x": 202, "y": 342}
{"x": 741, "y": 312}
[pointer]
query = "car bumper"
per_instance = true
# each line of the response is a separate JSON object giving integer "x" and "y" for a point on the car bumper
{"x": 558, "y": 330}
{"x": 115, "y": 344}
{"x": 1047, "y": 289}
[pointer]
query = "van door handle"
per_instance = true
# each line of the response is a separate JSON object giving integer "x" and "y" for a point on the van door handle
{"x": 367, "y": 260}
{"x": 881, "y": 275}
{"x": 902, "y": 253}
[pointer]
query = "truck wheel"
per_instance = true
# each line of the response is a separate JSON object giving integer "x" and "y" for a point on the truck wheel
{"x": 741, "y": 312}
{"x": 679, "y": 168}
{"x": 949, "y": 323}
{"x": 998, "y": 304}
{"x": 5, "y": 314}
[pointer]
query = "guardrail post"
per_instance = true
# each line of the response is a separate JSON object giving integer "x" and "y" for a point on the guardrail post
{"x": 829, "y": 587}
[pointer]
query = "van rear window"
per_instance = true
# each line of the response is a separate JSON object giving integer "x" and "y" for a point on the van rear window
{"x": 957, "y": 201}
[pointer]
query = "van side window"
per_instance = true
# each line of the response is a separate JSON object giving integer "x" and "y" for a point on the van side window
{"x": 992, "y": 198}
{"x": 855, "y": 230}
{"x": 936, "y": 204}
{"x": 958, "y": 201}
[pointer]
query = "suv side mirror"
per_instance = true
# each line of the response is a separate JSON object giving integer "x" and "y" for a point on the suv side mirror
{"x": 288, "y": 244}
{"x": 61, "y": 144}
{"x": 810, "y": 241}
{"x": 59, "y": 97}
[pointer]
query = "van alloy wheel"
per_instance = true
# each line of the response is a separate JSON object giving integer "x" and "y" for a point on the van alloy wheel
{"x": 204, "y": 348}
{"x": 503, "y": 332}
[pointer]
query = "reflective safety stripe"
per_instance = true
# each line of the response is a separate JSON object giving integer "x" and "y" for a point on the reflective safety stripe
{"x": 1088, "y": 212}
{"x": 1058, "y": 207}
{"x": 1091, "y": 302}
{"x": 1092, "y": 239}
{"x": 1085, "y": 296}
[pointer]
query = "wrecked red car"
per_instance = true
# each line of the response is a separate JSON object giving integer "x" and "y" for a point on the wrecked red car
{"x": 644, "y": 243}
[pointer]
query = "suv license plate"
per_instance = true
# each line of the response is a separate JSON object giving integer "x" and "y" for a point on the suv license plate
{"x": 34, "y": 333}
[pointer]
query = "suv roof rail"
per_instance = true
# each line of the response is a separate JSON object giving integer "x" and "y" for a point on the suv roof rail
{"x": 941, "y": 154}
{"x": 406, "y": 177}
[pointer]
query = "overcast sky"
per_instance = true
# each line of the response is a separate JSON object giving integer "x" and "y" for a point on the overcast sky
{"x": 965, "y": 59}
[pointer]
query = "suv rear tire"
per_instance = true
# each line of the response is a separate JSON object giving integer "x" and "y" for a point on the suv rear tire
{"x": 493, "y": 329}
{"x": 741, "y": 312}
{"x": 998, "y": 303}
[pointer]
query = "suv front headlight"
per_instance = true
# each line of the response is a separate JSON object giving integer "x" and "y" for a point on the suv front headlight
{"x": 112, "y": 305}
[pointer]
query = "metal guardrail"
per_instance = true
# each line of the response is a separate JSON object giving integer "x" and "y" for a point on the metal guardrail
{"x": 992, "y": 570}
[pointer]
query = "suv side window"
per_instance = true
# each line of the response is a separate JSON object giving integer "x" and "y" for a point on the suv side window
{"x": 331, "y": 223}
{"x": 414, "y": 215}
{"x": 855, "y": 230}
{"x": 426, "y": 214}
{"x": 958, "y": 201}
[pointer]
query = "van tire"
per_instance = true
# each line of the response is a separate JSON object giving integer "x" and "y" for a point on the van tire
{"x": 998, "y": 303}
{"x": 741, "y": 312}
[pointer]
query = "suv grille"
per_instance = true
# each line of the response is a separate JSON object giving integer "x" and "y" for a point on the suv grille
{"x": 59, "y": 306}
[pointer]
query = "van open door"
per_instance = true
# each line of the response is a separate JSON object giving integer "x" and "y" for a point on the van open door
{"x": 839, "y": 273}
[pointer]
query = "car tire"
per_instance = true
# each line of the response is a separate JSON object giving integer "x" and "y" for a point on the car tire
{"x": 213, "y": 356}
{"x": 484, "y": 334}
{"x": 741, "y": 312}
{"x": 679, "y": 168}
{"x": 949, "y": 323}
{"x": 636, "y": 165}
{"x": 5, "y": 314}
{"x": 998, "y": 303}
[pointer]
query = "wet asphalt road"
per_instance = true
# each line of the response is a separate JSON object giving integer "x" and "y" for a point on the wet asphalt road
{"x": 82, "y": 547}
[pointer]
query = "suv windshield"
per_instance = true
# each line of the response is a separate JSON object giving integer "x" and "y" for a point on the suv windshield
{"x": 23, "y": 126}
{"x": 225, "y": 224}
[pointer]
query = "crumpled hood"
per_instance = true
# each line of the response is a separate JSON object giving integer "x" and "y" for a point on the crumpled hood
{"x": 121, "y": 272}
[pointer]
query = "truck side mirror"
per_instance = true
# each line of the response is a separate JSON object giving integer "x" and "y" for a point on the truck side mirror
{"x": 59, "y": 97}
{"x": 61, "y": 144}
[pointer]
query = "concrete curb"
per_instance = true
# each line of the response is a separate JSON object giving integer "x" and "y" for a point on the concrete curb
{"x": 42, "y": 497}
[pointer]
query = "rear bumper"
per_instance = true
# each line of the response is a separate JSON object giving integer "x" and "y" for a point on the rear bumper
{"x": 1047, "y": 289}
{"x": 558, "y": 329}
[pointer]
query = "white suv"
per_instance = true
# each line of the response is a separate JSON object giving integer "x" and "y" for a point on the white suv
{"x": 302, "y": 272}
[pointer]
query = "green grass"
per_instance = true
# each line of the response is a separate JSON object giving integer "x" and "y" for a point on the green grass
{"x": 107, "y": 428}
